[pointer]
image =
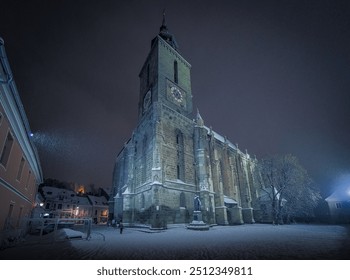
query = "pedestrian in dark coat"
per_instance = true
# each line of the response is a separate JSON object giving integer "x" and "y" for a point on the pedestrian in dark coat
{"x": 121, "y": 227}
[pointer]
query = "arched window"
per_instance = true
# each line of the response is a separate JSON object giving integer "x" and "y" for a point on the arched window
{"x": 182, "y": 200}
{"x": 178, "y": 138}
{"x": 142, "y": 200}
{"x": 144, "y": 144}
{"x": 180, "y": 165}
{"x": 176, "y": 77}
{"x": 224, "y": 179}
{"x": 144, "y": 158}
{"x": 6, "y": 150}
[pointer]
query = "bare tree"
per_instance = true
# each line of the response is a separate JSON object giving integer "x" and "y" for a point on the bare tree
{"x": 290, "y": 189}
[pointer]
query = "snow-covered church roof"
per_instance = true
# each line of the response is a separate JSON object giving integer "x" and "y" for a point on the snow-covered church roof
{"x": 221, "y": 138}
{"x": 339, "y": 195}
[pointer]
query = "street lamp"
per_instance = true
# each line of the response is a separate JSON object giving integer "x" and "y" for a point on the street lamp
{"x": 77, "y": 211}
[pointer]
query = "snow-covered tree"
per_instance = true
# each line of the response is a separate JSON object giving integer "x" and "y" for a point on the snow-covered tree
{"x": 291, "y": 191}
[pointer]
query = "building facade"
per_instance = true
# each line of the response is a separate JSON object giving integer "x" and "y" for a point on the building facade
{"x": 20, "y": 171}
{"x": 64, "y": 203}
{"x": 61, "y": 203}
{"x": 172, "y": 156}
{"x": 339, "y": 206}
{"x": 99, "y": 208}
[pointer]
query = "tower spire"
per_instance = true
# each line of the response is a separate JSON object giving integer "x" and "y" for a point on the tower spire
{"x": 163, "y": 28}
{"x": 163, "y": 22}
{"x": 164, "y": 33}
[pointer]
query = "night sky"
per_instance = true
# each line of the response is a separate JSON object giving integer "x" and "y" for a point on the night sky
{"x": 272, "y": 76}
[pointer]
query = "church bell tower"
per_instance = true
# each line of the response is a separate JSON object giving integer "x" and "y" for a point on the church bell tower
{"x": 154, "y": 172}
{"x": 165, "y": 76}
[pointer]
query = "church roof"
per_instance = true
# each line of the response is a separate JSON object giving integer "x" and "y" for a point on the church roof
{"x": 97, "y": 200}
{"x": 339, "y": 195}
{"x": 229, "y": 200}
{"x": 221, "y": 138}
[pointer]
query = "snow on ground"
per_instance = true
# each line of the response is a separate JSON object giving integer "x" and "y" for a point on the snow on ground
{"x": 254, "y": 241}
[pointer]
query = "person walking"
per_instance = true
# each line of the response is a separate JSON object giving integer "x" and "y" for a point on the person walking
{"x": 121, "y": 227}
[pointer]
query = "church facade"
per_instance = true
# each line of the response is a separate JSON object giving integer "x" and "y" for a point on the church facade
{"x": 172, "y": 157}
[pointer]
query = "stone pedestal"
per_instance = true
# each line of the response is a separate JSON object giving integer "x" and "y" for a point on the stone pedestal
{"x": 197, "y": 223}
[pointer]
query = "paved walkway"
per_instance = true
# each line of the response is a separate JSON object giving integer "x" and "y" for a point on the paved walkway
{"x": 255, "y": 241}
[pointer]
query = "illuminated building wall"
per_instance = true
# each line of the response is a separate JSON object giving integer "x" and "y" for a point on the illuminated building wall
{"x": 20, "y": 171}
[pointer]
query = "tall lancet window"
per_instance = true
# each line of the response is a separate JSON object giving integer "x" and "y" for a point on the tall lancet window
{"x": 142, "y": 201}
{"x": 180, "y": 166}
{"x": 144, "y": 158}
{"x": 176, "y": 76}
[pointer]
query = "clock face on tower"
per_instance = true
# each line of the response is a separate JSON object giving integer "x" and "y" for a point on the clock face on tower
{"x": 176, "y": 95}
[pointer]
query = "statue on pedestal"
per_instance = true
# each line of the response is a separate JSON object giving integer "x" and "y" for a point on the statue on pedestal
{"x": 197, "y": 223}
{"x": 197, "y": 203}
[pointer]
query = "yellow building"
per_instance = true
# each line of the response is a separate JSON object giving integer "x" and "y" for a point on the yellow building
{"x": 20, "y": 171}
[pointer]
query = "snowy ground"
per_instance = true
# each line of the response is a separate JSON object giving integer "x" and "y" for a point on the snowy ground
{"x": 243, "y": 242}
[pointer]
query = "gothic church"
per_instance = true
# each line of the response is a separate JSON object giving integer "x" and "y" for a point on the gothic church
{"x": 171, "y": 157}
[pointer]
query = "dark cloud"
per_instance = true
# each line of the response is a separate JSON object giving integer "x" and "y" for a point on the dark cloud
{"x": 270, "y": 75}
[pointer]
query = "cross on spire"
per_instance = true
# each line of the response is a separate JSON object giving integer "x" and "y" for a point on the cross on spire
{"x": 163, "y": 28}
{"x": 164, "y": 33}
